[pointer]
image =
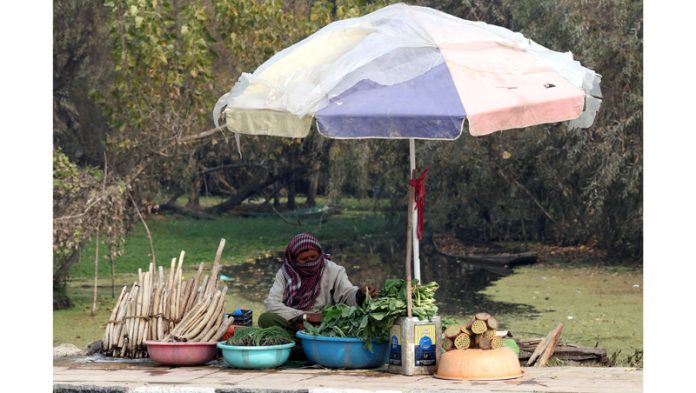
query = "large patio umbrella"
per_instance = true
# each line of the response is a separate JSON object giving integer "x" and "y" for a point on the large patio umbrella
{"x": 409, "y": 72}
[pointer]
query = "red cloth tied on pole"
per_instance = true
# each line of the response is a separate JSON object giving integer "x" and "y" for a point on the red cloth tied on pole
{"x": 419, "y": 195}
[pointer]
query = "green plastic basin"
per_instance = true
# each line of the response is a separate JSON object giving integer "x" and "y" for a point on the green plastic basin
{"x": 255, "y": 357}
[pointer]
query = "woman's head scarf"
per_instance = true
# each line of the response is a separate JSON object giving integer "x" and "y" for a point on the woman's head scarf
{"x": 302, "y": 281}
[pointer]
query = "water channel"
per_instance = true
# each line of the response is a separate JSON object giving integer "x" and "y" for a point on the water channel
{"x": 372, "y": 263}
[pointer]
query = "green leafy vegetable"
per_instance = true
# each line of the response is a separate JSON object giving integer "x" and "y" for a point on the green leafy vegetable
{"x": 373, "y": 320}
{"x": 256, "y": 336}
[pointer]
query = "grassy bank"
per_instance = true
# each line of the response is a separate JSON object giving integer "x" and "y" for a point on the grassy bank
{"x": 598, "y": 306}
{"x": 246, "y": 237}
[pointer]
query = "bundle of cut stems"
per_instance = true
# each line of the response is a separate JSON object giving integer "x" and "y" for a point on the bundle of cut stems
{"x": 479, "y": 332}
{"x": 162, "y": 306}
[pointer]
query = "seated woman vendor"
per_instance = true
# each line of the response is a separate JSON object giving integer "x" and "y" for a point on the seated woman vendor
{"x": 306, "y": 283}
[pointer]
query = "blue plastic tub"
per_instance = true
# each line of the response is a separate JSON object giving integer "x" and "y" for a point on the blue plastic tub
{"x": 255, "y": 357}
{"x": 336, "y": 352}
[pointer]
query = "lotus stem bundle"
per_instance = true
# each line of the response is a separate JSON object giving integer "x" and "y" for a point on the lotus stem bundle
{"x": 163, "y": 306}
{"x": 480, "y": 332}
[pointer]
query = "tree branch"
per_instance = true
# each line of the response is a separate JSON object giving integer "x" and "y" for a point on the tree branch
{"x": 251, "y": 188}
{"x": 147, "y": 230}
{"x": 200, "y": 135}
{"x": 514, "y": 181}
{"x": 186, "y": 212}
{"x": 237, "y": 165}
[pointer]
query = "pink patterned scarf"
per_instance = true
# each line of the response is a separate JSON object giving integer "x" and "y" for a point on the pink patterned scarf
{"x": 302, "y": 282}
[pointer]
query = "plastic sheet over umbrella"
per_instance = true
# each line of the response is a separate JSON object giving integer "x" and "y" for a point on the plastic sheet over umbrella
{"x": 409, "y": 72}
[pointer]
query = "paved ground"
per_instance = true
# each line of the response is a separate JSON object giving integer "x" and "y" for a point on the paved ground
{"x": 146, "y": 377}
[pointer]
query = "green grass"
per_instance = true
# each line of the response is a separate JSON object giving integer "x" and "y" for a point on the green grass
{"x": 246, "y": 238}
{"x": 597, "y": 305}
{"x": 76, "y": 325}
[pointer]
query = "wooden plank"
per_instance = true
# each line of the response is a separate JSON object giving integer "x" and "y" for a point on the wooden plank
{"x": 537, "y": 351}
{"x": 555, "y": 335}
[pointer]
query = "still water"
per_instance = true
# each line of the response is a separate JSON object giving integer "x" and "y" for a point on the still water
{"x": 371, "y": 264}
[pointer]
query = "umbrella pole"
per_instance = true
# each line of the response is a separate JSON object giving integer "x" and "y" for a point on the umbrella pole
{"x": 414, "y": 214}
{"x": 409, "y": 244}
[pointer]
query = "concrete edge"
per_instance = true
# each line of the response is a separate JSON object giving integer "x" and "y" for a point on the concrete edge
{"x": 84, "y": 388}
{"x": 259, "y": 390}
{"x": 67, "y": 388}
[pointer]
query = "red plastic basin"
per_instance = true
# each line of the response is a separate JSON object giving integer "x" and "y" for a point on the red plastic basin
{"x": 181, "y": 354}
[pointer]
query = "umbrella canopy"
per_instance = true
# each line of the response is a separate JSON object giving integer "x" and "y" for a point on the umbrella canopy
{"x": 410, "y": 72}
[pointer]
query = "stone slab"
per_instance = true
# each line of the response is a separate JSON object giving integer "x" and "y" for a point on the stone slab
{"x": 226, "y": 380}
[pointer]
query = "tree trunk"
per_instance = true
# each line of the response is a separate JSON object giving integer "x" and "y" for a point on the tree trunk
{"x": 194, "y": 198}
{"x": 276, "y": 194}
{"x": 61, "y": 274}
{"x": 173, "y": 198}
{"x": 291, "y": 187}
{"x": 313, "y": 184}
{"x": 96, "y": 275}
{"x": 252, "y": 188}
{"x": 184, "y": 211}
{"x": 243, "y": 193}
{"x": 60, "y": 299}
{"x": 292, "y": 192}
{"x": 112, "y": 252}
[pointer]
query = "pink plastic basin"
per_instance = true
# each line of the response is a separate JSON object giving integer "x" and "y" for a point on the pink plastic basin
{"x": 181, "y": 354}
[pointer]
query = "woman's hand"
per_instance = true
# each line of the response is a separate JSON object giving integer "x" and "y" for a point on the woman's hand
{"x": 313, "y": 318}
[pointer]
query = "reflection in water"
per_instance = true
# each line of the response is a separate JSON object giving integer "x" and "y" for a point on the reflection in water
{"x": 373, "y": 263}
